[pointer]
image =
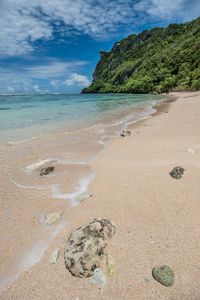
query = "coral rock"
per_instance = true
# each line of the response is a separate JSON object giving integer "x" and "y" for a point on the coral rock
{"x": 86, "y": 247}
{"x": 177, "y": 172}
{"x": 46, "y": 171}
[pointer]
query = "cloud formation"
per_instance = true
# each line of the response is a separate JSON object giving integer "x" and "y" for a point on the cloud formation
{"x": 40, "y": 77}
{"x": 24, "y": 22}
{"x": 77, "y": 79}
{"x": 26, "y": 25}
{"x": 180, "y": 10}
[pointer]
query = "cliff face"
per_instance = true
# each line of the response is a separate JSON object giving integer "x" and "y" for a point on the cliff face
{"x": 161, "y": 59}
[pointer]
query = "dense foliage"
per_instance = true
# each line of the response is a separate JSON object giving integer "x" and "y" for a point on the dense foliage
{"x": 161, "y": 59}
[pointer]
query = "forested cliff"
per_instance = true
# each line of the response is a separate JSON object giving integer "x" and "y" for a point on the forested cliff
{"x": 156, "y": 60}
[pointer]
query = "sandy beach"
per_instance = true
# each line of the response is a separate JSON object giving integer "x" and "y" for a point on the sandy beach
{"x": 156, "y": 216}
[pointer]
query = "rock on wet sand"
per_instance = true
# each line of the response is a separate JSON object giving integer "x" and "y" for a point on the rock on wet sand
{"x": 86, "y": 247}
{"x": 53, "y": 217}
{"x": 46, "y": 171}
{"x": 83, "y": 197}
{"x": 125, "y": 133}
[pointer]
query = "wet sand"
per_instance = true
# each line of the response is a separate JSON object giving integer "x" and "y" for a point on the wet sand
{"x": 157, "y": 217}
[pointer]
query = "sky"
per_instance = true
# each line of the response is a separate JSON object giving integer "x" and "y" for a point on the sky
{"x": 52, "y": 46}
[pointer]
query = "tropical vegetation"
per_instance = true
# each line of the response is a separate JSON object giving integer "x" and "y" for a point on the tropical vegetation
{"x": 156, "y": 60}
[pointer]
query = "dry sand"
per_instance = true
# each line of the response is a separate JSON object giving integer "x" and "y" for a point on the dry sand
{"x": 157, "y": 217}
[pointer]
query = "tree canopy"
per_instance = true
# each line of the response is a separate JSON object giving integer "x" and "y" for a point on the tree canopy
{"x": 160, "y": 59}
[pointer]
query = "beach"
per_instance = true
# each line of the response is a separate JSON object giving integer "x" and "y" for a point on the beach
{"x": 156, "y": 217}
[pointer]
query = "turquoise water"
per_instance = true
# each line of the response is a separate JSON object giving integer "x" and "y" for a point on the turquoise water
{"x": 25, "y": 116}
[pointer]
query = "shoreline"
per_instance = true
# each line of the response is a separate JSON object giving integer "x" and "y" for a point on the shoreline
{"x": 116, "y": 149}
{"x": 133, "y": 124}
{"x": 21, "y": 184}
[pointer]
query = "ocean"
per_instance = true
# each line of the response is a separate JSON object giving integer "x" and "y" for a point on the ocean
{"x": 28, "y": 116}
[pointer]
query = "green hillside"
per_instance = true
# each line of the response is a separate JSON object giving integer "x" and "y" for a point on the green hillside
{"x": 161, "y": 60}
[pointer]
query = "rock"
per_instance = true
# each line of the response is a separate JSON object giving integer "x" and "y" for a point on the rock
{"x": 190, "y": 151}
{"x": 177, "y": 172}
{"x": 11, "y": 144}
{"x": 164, "y": 274}
{"x": 110, "y": 265}
{"x": 53, "y": 217}
{"x": 54, "y": 256}
{"x": 46, "y": 171}
{"x": 146, "y": 279}
{"x": 125, "y": 133}
{"x": 86, "y": 247}
{"x": 83, "y": 197}
{"x": 99, "y": 278}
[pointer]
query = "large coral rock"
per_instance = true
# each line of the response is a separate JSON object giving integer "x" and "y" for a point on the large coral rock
{"x": 86, "y": 247}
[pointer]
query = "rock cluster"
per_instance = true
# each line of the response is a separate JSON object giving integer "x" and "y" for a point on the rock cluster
{"x": 126, "y": 133}
{"x": 177, "y": 172}
{"x": 86, "y": 247}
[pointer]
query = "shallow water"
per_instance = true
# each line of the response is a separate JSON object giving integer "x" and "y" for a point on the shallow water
{"x": 27, "y": 116}
{"x": 64, "y": 131}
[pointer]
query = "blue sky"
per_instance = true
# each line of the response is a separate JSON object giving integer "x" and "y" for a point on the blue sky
{"x": 53, "y": 45}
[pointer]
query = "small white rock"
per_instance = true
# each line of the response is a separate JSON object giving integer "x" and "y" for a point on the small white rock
{"x": 110, "y": 265}
{"x": 54, "y": 256}
{"x": 83, "y": 197}
{"x": 53, "y": 217}
{"x": 190, "y": 151}
{"x": 11, "y": 144}
{"x": 99, "y": 277}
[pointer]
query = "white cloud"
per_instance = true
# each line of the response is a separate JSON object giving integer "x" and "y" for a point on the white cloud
{"x": 40, "y": 77}
{"x": 77, "y": 79}
{"x": 169, "y": 10}
{"x": 53, "y": 69}
{"x": 36, "y": 88}
{"x": 10, "y": 89}
{"x": 22, "y": 22}
{"x": 55, "y": 83}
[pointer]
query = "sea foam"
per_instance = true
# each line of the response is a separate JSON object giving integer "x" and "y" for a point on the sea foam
{"x": 80, "y": 189}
